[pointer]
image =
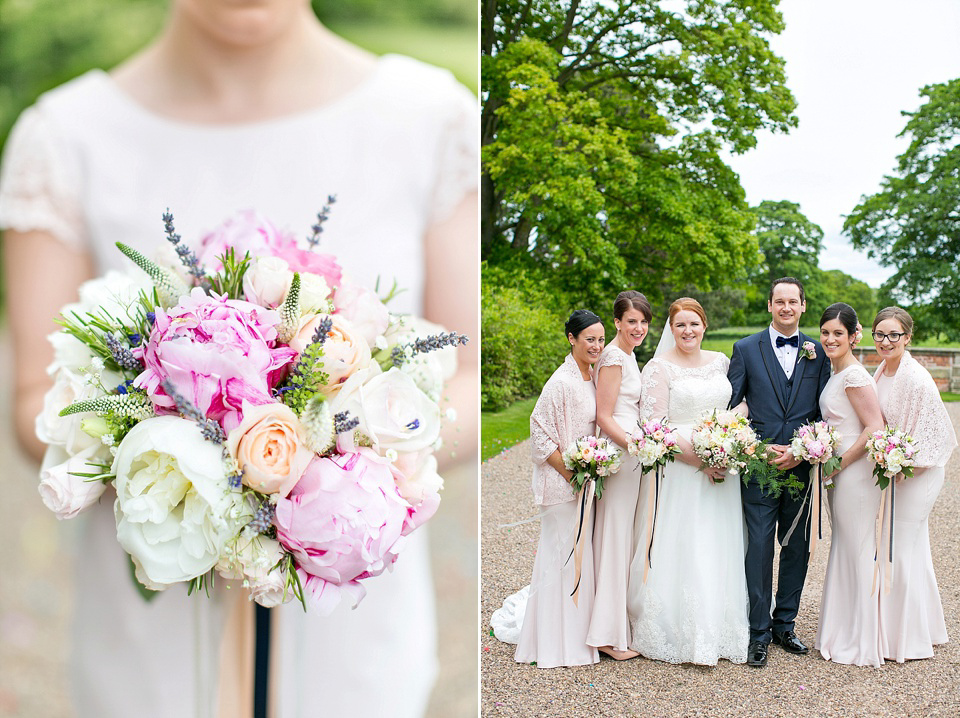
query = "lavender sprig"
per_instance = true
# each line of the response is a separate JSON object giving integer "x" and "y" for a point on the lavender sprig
{"x": 187, "y": 256}
{"x": 262, "y": 521}
{"x": 121, "y": 354}
{"x": 211, "y": 430}
{"x": 322, "y": 216}
{"x": 343, "y": 422}
{"x": 405, "y": 352}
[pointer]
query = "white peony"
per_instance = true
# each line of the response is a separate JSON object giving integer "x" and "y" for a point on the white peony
{"x": 175, "y": 510}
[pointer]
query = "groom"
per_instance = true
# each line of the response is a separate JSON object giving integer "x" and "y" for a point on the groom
{"x": 782, "y": 386}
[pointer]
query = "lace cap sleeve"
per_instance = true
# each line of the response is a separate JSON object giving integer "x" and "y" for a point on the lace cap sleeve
{"x": 458, "y": 159}
{"x": 39, "y": 181}
{"x": 857, "y": 376}
{"x": 611, "y": 358}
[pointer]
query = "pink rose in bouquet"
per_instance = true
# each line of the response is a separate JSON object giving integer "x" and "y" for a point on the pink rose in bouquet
{"x": 216, "y": 352}
{"x": 343, "y": 522}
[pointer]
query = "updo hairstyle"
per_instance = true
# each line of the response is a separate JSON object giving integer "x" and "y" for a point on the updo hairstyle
{"x": 687, "y": 304}
{"x": 632, "y": 299}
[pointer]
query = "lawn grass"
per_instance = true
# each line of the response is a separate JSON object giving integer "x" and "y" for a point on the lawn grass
{"x": 500, "y": 430}
{"x": 949, "y": 396}
{"x": 454, "y": 47}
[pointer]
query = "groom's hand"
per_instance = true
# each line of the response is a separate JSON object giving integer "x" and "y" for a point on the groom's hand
{"x": 783, "y": 460}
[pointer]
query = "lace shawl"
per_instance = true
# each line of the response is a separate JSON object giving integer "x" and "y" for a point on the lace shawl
{"x": 914, "y": 405}
{"x": 565, "y": 411}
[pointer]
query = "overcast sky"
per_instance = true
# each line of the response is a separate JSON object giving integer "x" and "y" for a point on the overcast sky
{"x": 853, "y": 66}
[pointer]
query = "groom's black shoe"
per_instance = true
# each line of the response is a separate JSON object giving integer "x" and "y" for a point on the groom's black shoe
{"x": 790, "y": 643}
{"x": 757, "y": 654}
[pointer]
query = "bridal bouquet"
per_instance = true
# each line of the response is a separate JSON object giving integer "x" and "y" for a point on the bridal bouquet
{"x": 817, "y": 443}
{"x": 653, "y": 442}
{"x": 893, "y": 452}
{"x": 258, "y": 415}
{"x": 591, "y": 457}
{"x": 725, "y": 440}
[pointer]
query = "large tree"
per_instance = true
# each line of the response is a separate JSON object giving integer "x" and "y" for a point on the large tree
{"x": 602, "y": 126}
{"x": 913, "y": 222}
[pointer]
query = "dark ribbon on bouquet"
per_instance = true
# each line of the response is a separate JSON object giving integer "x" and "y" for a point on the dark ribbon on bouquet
{"x": 261, "y": 664}
{"x": 888, "y": 564}
{"x": 585, "y": 500}
{"x": 652, "y": 519}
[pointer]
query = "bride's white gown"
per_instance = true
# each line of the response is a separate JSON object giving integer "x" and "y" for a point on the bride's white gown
{"x": 693, "y": 606}
{"x": 92, "y": 167}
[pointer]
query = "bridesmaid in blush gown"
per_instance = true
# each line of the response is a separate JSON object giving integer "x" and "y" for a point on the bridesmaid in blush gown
{"x": 554, "y": 628}
{"x": 618, "y": 409}
{"x": 911, "y": 614}
{"x": 849, "y": 612}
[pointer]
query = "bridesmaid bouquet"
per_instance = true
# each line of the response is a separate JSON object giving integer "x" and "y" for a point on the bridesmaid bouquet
{"x": 591, "y": 457}
{"x": 725, "y": 440}
{"x": 258, "y": 415}
{"x": 653, "y": 442}
{"x": 817, "y": 443}
{"x": 893, "y": 452}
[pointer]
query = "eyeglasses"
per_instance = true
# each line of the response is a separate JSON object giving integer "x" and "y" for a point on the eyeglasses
{"x": 894, "y": 337}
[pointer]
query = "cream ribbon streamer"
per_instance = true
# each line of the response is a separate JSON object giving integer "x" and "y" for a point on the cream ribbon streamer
{"x": 883, "y": 560}
{"x": 585, "y": 499}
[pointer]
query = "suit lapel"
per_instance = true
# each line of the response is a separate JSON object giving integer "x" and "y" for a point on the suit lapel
{"x": 797, "y": 373}
{"x": 770, "y": 360}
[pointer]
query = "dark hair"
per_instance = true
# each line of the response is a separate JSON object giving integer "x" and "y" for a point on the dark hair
{"x": 901, "y": 315}
{"x": 845, "y": 313}
{"x": 631, "y": 299}
{"x": 687, "y": 304}
{"x": 787, "y": 280}
{"x": 579, "y": 320}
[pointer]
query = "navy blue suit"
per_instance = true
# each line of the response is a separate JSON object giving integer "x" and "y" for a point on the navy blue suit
{"x": 777, "y": 407}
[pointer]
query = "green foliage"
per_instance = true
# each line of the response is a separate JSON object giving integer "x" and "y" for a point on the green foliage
{"x": 229, "y": 280}
{"x": 306, "y": 379}
{"x": 913, "y": 222}
{"x": 523, "y": 341}
{"x": 590, "y": 168}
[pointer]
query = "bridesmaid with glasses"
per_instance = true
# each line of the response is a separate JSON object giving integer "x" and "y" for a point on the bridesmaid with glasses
{"x": 911, "y": 614}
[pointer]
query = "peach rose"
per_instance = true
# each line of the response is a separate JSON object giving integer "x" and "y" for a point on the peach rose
{"x": 268, "y": 445}
{"x": 344, "y": 351}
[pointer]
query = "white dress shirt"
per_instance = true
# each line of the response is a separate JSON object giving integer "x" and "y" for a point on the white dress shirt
{"x": 787, "y": 354}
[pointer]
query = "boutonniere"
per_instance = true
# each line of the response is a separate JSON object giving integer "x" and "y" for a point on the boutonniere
{"x": 808, "y": 351}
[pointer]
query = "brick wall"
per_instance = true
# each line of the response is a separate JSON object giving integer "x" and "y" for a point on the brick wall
{"x": 943, "y": 364}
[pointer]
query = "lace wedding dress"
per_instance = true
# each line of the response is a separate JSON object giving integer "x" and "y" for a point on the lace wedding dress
{"x": 90, "y": 166}
{"x": 693, "y": 606}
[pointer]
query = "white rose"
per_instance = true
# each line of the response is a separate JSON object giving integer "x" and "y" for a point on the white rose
{"x": 173, "y": 501}
{"x": 393, "y": 411}
{"x": 61, "y": 490}
{"x": 267, "y": 281}
{"x": 314, "y": 293}
{"x": 363, "y": 308}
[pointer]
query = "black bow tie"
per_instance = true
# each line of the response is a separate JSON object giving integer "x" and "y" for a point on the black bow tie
{"x": 793, "y": 341}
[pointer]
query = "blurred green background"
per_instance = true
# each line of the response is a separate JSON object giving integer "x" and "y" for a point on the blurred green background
{"x": 44, "y": 43}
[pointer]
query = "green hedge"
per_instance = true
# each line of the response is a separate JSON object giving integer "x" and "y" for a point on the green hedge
{"x": 523, "y": 341}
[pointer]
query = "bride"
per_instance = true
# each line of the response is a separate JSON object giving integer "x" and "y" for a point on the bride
{"x": 690, "y": 604}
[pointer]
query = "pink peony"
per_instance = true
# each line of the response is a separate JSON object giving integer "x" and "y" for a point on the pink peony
{"x": 344, "y": 521}
{"x": 217, "y": 352}
{"x": 249, "y": 231}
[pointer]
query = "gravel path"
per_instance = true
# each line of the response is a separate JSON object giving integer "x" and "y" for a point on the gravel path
{"x": 788, "y": 686}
